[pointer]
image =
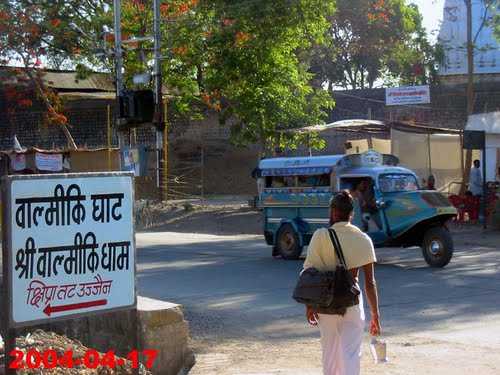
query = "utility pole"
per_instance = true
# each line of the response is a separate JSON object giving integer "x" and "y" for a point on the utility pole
{"x": 470, "y": 60}
{"x": 470, "y": 92}
{"x": 165, "y": 152}
{"x": 118, "y": 47}
{"x": 118, "y": 60}
{"x": 158, "y": 94}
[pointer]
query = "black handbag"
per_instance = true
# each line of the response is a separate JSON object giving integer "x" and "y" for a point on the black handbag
{"x": 330, "y": 292}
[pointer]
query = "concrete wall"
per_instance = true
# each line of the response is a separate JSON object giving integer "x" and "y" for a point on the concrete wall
{"x": 162, "y": 327}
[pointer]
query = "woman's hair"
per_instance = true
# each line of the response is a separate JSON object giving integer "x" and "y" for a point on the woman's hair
{"x": 343, "y": 204}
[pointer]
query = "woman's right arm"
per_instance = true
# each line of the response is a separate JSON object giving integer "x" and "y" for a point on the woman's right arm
{"x": 372, "y": 296}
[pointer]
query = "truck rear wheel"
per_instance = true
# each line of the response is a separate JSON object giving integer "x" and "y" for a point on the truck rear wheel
{"x": 437, "y": 247}
{"x": 288, "y": 242}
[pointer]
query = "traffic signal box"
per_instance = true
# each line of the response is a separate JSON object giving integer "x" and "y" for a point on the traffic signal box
{"x": 136, "y": 109}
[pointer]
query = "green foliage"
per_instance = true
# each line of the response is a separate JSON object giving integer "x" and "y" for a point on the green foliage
{"x": 415, "y": 60}
{"x": 372, "y": 40}
{"x": 241, "y": 59}
{"x": 495, "y": 20}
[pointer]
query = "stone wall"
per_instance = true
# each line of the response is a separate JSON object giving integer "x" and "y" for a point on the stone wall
{"x": 87, "y": 123}
{"x": 448, "y": 106}
{"x": 215, "y": 170}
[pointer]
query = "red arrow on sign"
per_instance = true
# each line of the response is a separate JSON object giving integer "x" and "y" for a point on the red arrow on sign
{"x": 74, "y": 306}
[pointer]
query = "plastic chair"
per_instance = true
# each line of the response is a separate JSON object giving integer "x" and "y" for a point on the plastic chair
{"x": 459, "y": 204}
{"x": 472, "y": 206}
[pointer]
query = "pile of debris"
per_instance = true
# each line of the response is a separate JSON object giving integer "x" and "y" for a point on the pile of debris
{"x": 150, "y": 213}
{"x": 42, "y": 341}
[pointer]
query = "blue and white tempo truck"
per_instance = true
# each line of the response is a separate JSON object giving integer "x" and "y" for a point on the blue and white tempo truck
{"x": 294, "y": 195}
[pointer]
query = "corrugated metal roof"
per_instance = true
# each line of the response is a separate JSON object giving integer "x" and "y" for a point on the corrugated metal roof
{"x": 64, "y": 80}
{"x": 61, "y": 80}
{"x": 77, "y": 95}
{"x": 373, "y": 126}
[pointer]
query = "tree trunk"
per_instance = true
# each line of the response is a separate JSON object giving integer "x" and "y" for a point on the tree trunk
{"x": 470, "y": 95}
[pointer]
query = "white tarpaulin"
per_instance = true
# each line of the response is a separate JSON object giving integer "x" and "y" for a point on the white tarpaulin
{"x": 427, "y": 154}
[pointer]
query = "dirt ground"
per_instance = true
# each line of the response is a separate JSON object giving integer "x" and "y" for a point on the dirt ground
{"x": 217, "y": 215}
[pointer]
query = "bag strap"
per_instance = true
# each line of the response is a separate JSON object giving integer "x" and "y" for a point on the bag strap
{"x": 336, "y": 245}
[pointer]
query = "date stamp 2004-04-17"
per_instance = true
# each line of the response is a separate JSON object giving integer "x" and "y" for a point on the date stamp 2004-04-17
{"x": 92, "y": 359}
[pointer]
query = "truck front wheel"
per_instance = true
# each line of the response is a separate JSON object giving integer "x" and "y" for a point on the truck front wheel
{"x": 437, "y": 247}
{"x": 288, "y": 243}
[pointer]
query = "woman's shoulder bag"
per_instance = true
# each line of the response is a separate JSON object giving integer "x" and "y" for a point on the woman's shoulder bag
{"x": 329, "y": 292}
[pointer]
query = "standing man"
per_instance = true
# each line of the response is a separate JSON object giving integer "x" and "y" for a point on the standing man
{"x": 476, "y": 180}
{"x": 342, "y": 334}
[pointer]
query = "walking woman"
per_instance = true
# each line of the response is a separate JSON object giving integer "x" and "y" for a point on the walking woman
{"x": 342, "y": 332}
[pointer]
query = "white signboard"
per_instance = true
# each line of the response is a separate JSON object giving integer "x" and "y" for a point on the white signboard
{"x": 70, "y": 245}
{"x": 49, "y": 162}
{"x": 407, "y": 95}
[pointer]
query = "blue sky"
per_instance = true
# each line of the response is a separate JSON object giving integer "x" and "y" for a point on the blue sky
{"x": 432, "y": 11}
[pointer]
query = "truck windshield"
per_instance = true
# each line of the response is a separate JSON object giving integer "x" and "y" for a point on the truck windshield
{"x": 397, "y": 182}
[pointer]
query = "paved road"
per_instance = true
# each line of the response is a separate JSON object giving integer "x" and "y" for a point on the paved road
{"x": 243, "y": 321}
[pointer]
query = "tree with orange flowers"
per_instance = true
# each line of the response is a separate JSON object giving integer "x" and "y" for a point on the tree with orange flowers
{"x": 238, "y": 58}
{"x": 34, "y": 33}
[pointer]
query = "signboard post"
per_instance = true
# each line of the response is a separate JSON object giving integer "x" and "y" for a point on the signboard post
{"x": 68, "y": 247}
{"x": 407, "y": 95}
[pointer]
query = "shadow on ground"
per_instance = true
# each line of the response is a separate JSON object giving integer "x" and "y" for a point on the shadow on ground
{"x": 231, "y": 287}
